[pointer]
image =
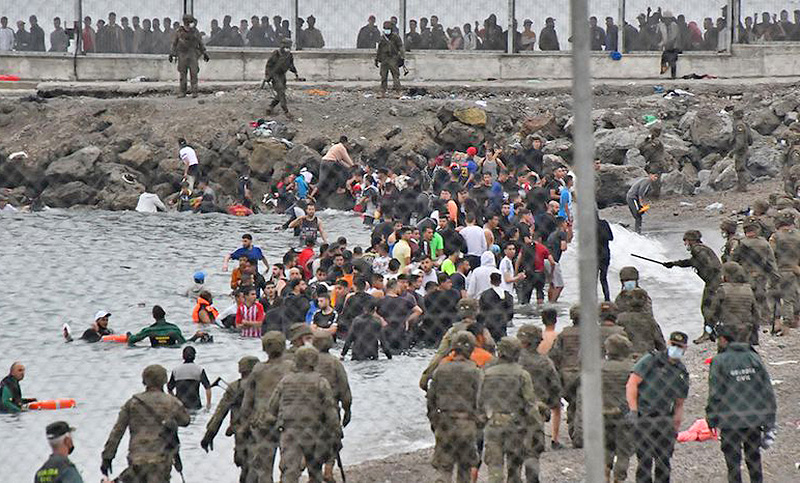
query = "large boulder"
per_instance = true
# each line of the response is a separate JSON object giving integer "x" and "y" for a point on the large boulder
{"x": 78, "y": 166}
{"x": 634, "y": 158}
{"x": 139, "y": 157}
{"x": 319, "y": 144}
{"x": 784, "y": 106}
{"x": 543, "y": 124}
{"x": 723, "y": 176}
{"x": 267, "y": 153}
{"x": 766, "y": 157}
{"x": 121, "y": 187}
{"x": 676, "y": 183}
{"x": 302, "y": 155}
{"x": 68, "y": 195}
{"x": 614, "y": 182}
{"x": 459, "y": 136}
{"x": 711, "y": 130}
{"x": 710, "y": 160}
{"x": 471, "y": 116}
{"x": 21, "y": 172}
{"x": 611, "y": 145}
{"x": 675, "y": 147}
{"x": 764, "y": 121}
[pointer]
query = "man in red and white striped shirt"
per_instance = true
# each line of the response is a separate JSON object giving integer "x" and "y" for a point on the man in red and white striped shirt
{"x": 250, "y": 315}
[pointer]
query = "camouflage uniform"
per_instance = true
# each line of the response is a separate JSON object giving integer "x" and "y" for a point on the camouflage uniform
{"x": 232, "y": 402}
{"x": 760, "y": 208}
{"x": 742, "y": 139}
{"x": 786, "y": 246}
{"x": 732, "y": 240}
{"x": 792, "y": 159}
{"x": 187, "y": 46}
{"x": 641, "y": 329}
{"x": 755, "y": 255}
{"x": 452, "y": 402}
{"x": 508, "y": 403}
{"x": 332, "y": 369}
{"x": 708, "y": 268}
{"x": 148, "y": 416}
{"x": 390, "y": 57}
{"x": 735, "y": 305}
{"x": 652, "y": 149}
{"x": 258, "y": 389}
{"x": 302, "y": 406}
{"x": 623, "y": 299}
{"x": 618, "y": 432}
{"x": 565, "y": 354}
{"x": 279, "y": 63}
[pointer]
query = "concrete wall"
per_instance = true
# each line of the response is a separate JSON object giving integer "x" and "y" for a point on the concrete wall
{"x": 331, "y": 65}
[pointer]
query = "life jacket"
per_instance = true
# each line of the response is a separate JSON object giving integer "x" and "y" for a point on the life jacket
{"x": 203, "y": 304}
{"x": 479, "y": 356}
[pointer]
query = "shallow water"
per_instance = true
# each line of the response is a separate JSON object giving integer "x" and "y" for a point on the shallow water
{"x": 64, "y": 266}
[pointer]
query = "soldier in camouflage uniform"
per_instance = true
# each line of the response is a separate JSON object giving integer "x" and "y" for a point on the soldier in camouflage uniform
{"x": 728, "y": 228}
{"x": 742, "y": 139}
{"x": 734, "y": 305}
{"x": 187, "y": 47}
{"x": 618, "y": 431}
{"x": 629, "y": 279}
{"x": 149, "y": 416}
{"x": 709, "y": 269}
{"x": 467, "y": 313}
{"x": 303, "y": 408}
{"x": 652, "y": 149}
{"x": 279, "y": 63}
{"x": 640, "y": 327}
{"x": 755, "y": 255}
{"x": 759, "y": 215}
{"x": 258, "y": 389}
{"x": 231, "y": 402}
{"x": 566, "y": 357}
{"x": 333, "y": 371}
{"x": 452, "y": 402}
{"x": 608, "y": 323}
{"x": 786, "y": 246}
{"x": 546, "y": 384}
{"x": 792, "y": 159}
{"x": 508, "y": 403}
{"x": 389, "y": 57}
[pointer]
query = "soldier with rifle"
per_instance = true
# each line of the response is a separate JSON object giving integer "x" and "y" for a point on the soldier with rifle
{"x": 280, "y": 62}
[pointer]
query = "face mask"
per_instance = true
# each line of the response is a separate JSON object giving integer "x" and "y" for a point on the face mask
{"x": 675, "y": 352}
{"x": 628, "y": 285}
{"x": 387, "y": 31}
{"x": 688, "y": 247}
{"x": 308, "y": 343}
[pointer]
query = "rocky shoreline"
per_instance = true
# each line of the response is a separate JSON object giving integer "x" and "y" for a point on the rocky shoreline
{"x": 96, "y": 151}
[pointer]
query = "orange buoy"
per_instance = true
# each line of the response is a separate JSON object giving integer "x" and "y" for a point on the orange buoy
{"x": 115, "y": 338}
{"x": 239, "y": 210}
{"x": 52, "y": 404}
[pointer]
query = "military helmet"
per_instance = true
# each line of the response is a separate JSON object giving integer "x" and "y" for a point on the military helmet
{"x": 189, "y": 18}
{"x": 273, "y": 343}
{"x": 692, "y": 235}
{"x": 387, "y": 24}
{"x": 733, "y": 272}
{"x": 617, "y": 346}
{"x": 286, "y": 42}
{"x": 637, "y": 299}
{"x": 509, "y": 348}
{"x": 738, "y": 113}
{"x": 656, "y": 128}
{"x": 323, "y": 341}
{"x": 464, "y": 343}
{"x": 608, "y": 311}
{"x": 784, "y": 203}
{"x": 247, "y": 363}
{"x": 467, "y": 308}
{"x": 154, "y": 376}
{"x": 628, "y": 273}
{"x": 728, "y": 225}
{"x": 575, "y": 312}
{"x": 298, "y": 330}
{"x": 306, "y": 358}
{"x": 530, "y": 334}
{"x": 784, "y": 218}
{"x": 751, "y": 225}
{"x": 760, "y": 206}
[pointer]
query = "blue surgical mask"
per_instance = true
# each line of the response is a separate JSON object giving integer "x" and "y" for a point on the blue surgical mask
{"x": 675, "y": 352}
{"x": 387, "y": 31}
{"x": 628, "y": 285}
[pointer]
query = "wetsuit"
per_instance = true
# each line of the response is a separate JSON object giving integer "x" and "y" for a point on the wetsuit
{"x": 92, "y": 335}
{"x": 186, "y": 380}
{"x": 11, "y": 400}
{"x": 161, "y": 334}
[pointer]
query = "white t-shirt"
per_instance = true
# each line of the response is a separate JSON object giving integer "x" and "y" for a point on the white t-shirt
{"x": 6, "y": 39}
{"x": 506, "y": 270}
{"x": 188, "y": 156}
{"x": 149, "y": 203}
{"x": 476, "y": 240}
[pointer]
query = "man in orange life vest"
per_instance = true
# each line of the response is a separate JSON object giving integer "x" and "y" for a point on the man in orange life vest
{"x": 204, "y": 312}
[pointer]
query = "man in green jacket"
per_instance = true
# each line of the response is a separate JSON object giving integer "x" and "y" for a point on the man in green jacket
{"x": 161, "y": 333}
{"x": 741, "y": 403}
{"x": 11, "y": 400}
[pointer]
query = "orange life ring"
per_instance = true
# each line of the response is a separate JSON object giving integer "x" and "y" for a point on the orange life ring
{"x": 52, "y": 404}
{"x": 239, "y": 210}
{"x": 115, "y": 338}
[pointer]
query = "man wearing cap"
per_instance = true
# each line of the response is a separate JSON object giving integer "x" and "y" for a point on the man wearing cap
{"x": 545, "y": 380}
{"x": 231, "y": 402}
{"x": 58, "y": 467}
{"x": 615, "y": 371}
{"x": 756, "y": 257}
{"x": 785, "y": 244}
{"x": 258, "y": 389}
{"x": 279, "y": 63}
{"x": 312, "y": 37}
{"x": 153, "y": 418}
{"x": 708, "y": 267}
{"x": 639, "y": 190}
{"x": 741, "y": 404}
{"x": 389, "y": 57}
{"x": 728, "y": 228}
{"x": 655, "y": 392}
{"x": 99, "y": 327}
{"x": 548, "y": 39}
{"x": 735, "y": 305}
{"x": 640, "y": 327}
{"x": 741, "y": 142}
{"x": 187, "y": 46}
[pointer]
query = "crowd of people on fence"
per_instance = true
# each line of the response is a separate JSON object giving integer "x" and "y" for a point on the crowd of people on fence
{"x": 651, "y": 31}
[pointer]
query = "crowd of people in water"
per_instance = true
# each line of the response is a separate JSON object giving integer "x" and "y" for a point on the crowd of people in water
{"x": 650, "y": 31}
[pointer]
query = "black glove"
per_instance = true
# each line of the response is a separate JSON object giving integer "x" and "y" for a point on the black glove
{"x": 207, "y": 443}
{"x": 206, "y": 57}
{"x": 376, "y": 63}
{"x": 170, "y": 58}
{"x": 631, "y": 417}
{"x": 346, "y": 418}
{"x": 105, "y": 467}
{"x": 668, "y": 264}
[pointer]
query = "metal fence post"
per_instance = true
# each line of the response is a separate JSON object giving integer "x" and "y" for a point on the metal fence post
{"x": 733, "y": 23}
{"x": 295, "y": 11}
{"x": 512, "y": 6}
{"x": 593, "y": 441}
{"x": 403, "y": 18}
{"x": 621, "y": 26}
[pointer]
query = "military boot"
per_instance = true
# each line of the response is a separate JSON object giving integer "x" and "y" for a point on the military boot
{"x": 703, "y": 338}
